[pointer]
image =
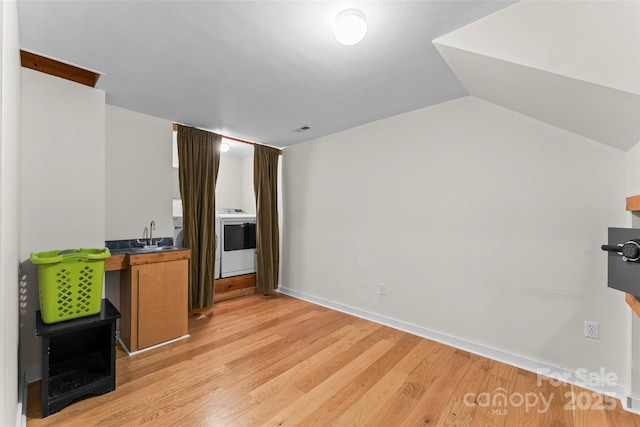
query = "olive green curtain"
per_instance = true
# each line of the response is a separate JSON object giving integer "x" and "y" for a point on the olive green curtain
{"x": 199, "y": 157}
{"x": 265, "y": 181}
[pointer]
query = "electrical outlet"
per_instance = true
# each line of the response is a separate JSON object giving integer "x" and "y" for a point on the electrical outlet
{"x": 592, "y": 330}
{"x": 382, "y": 289}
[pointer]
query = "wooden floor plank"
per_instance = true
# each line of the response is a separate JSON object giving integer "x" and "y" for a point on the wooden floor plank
{"x": 297, "y": 411}
{"x": 344, "y": 398}
{"x": 501, "y": 377}
{"x": 311, "y": 364}
{"x": 329, "y": 366}
{"x": 418, "y": 381}
{"x": 461, "y": 408}
{"x": 275, "y": 360}
{"x": 432, "y": 404}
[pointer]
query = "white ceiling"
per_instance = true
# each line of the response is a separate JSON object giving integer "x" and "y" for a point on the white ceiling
{"x": 573, "y": 64}
{"x": 255, "y": 70}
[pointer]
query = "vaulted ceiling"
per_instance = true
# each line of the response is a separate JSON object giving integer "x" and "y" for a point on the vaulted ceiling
{"x": 255, "y": 70}
{"x": 259, "y": 70}
{"x": 573, "y": 64}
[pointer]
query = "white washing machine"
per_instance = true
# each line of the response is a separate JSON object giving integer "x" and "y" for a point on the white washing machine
{"x": 178, "y": 240}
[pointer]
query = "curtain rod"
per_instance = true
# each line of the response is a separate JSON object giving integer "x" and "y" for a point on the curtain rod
{"x": 244, "y": 141}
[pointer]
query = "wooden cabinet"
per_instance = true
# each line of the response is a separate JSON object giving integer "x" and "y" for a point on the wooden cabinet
{"x": 162, "y": 301}
{"x": 153, "y": 299}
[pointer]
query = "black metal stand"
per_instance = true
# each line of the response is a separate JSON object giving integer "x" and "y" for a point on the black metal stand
{"x": 78, "y": 358}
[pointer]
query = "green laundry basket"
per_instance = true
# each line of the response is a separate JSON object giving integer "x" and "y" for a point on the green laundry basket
{"x": 70, "y": 282}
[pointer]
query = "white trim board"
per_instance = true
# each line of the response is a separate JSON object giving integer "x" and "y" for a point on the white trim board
{"x": 576, "y": 378}
{"x": 21, "y": 410}
{"x": 33, "y": 374}
{"x": 133, "y": 353}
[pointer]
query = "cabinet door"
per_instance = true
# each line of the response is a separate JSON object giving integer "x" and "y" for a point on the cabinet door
{"x": 162, "y": 302}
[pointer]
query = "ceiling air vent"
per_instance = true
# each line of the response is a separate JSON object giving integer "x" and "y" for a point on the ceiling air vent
{"x": 302, "y": 129}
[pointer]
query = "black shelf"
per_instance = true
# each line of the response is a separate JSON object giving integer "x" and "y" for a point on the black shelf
{"x": 78, "y": 358}
{"x": 107, "y": 312}
{"x": 76, "y": 373}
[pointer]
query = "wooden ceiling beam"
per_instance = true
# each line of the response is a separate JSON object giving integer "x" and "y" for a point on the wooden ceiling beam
{"x": 58, "y": 69}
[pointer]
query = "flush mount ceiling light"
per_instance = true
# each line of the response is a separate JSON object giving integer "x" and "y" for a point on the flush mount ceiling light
{"x": 350, "y": 27}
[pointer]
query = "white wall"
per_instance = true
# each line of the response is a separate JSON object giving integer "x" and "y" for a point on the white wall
{"x": 9, "y": 210}
{"x": 140, "y": 174}
{"x": 484, "y": 224}
{"x": 229, "y": 183}
{"x": 568, "y": 38}
{"x": 564, "y": 51}
{"x": 632, "y": 169}
{"x": 234, "y": 185}
{"x": 63, "y": 182}
{"x": 248, "y": 193}
{"x": 176, "y": 183}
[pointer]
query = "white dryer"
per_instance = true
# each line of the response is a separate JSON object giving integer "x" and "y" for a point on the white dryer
{"x": 178, "y": 240}
{"x": 237, "y": 242}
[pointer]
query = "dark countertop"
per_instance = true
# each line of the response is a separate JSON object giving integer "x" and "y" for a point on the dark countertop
{"x": 125, "y": 253}
{"x": 135, "y": 251}
{"x": 126, "y": 245}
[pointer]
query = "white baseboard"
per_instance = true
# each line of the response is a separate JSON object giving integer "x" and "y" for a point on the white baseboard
{"x": 631, "y": 404}
{"x": 133, "y": 353}
{"x": 32, "y": 375}
{"x": 543, "y": 369}
{"x": 24, "y": 378}
{"x": 21, "y": 410}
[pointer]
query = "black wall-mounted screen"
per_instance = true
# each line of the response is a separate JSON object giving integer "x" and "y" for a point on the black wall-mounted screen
{"x": 623, "y": 275}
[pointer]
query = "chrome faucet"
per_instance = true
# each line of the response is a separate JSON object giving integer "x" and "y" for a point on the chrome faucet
{"x": 144, "y": 236}
{"x": 152, "y": 227}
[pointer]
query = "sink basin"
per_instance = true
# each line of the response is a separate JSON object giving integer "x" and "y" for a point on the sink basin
{"x": 151, "y": 249}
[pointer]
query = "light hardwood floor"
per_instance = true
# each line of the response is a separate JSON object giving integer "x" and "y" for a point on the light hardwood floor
{"x": 279, "y": 361}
